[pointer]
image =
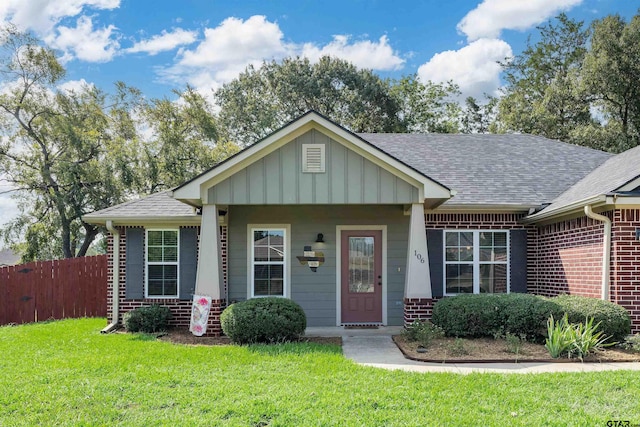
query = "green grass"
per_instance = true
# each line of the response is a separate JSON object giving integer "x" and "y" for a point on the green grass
{"x": 66, "y": 373}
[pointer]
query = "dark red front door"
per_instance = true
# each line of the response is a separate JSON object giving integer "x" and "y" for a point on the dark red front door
{"x": 361, "y": 276}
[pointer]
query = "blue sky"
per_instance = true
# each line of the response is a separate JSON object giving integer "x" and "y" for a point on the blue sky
{"x": 160, "y": 45}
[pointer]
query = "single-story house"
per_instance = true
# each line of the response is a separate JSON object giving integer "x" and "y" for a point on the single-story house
{"x": 374, "y": 228}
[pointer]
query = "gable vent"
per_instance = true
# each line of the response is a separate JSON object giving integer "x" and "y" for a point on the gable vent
{"x": 313, "y": 160}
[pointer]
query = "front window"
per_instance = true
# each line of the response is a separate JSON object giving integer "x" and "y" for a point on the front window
{"x": 268, "y": 261}
{"x": 476, "y": 261}
{"x": 162, "y": 263}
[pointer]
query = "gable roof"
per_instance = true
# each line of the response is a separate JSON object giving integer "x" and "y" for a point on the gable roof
{"x": 619, "y": 174}
{"x": 195, "y": 191}
{"x": 157, "y": 207}
{"x": 499, "y": 170}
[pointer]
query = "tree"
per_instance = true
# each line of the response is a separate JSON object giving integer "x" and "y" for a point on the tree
{"x": 52, "y": 149}
{"x": 479, "y": 118}
{"x": 427, "y": 107}
{"x": 263, "y": 99}
{"x": 68, "y": 153}
{"x": 611, "y": 76}
{"x": 542, "y": 95}
{"x": 181, "y": 141}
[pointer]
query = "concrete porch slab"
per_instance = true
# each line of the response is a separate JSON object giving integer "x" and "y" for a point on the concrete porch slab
{"x": 341, "y": 331}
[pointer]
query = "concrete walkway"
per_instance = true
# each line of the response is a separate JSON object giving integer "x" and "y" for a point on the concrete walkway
{"x": 374, "y": 347}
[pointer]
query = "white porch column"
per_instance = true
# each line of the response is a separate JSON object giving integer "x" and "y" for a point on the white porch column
{"x": 209, "y": 278}
{"x": 417, "y": 279}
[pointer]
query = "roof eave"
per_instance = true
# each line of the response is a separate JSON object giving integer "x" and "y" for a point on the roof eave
{"x": 567, "y": 210}
{"x": 185, "y": 220}
{"x": 482, "y": 207}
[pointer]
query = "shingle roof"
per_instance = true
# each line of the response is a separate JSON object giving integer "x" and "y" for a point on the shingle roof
{"x": 607, "y": 178}
{"x": 160, "y": 205}
{"x": 516, "y": 170}
{"x": 485, "y": 169}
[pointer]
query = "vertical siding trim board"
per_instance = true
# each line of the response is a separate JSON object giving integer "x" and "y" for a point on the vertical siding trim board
{"x": 339, "y": 230}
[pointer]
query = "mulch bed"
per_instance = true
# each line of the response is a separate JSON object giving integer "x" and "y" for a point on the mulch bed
{"x": 187, "y": 338}
{"x": 487, "y": 350}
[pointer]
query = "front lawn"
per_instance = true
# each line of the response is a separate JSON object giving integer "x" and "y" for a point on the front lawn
{"x": 66, "y": 373}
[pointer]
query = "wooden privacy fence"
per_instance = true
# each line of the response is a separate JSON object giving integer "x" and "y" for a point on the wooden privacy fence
{"x": 41, "y": 290}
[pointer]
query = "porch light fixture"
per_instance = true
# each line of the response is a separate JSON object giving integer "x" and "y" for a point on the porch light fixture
{"x": 320, "y": 238}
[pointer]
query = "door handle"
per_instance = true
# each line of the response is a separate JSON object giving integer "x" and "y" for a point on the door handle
{"x": 379, "y": 280}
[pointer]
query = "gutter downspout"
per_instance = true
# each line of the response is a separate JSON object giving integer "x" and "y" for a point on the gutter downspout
{"x": 606, "y": 249}
{"x": 115, "y": 306}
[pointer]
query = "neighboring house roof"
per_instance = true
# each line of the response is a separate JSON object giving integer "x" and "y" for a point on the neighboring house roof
{"x": 486, "y": 169}
{"x": 8, "y": 257}
{"x": 620, "y": 173}
{"x": 158, "y": 207}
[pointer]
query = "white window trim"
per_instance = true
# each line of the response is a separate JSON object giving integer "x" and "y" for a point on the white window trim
{"x": 147, "y": 264}
{"x": 286, "y": 291}
{"x": 305, "y": 148}
{"x": 476, "y": 258}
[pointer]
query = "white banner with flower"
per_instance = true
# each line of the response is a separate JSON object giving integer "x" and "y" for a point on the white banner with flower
{"x": 200, "y": 315}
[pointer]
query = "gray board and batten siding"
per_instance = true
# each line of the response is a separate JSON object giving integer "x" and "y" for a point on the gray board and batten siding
{"x": 278, "y": 179}
{"x": 316, "y": 291}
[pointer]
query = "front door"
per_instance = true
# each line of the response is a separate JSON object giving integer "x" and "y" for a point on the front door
{"x": 361, "y": 276}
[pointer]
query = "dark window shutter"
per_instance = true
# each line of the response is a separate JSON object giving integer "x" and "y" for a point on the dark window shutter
{"x": 135, "y": 263}
{"x": 436, "y": 261}
{"x": 518, "y": 261}
{"x": 188, "y": 261}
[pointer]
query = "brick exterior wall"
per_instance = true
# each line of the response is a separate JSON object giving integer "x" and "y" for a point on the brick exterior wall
{"x": 625, "y": 263}
{"x": 570, "y": 260}
{"x": 491, "y": 221}
{"x": 180, "y": 309}
{"x": 417, "y": 309}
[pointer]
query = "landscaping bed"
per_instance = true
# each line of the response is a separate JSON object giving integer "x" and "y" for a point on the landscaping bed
{"x": 487, "y": 350}
{"x": 186, "y": 337}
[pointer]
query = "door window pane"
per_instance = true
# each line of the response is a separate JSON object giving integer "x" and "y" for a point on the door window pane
{"x": 361, "y": 265}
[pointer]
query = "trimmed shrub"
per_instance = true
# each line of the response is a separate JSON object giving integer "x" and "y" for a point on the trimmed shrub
{"x": 148, "y": 319}
{"x": 493, "y": 315}
{"x": 525, "y": 315}
{"x": 614, "y": 321}
{"x": 263, "y": 320}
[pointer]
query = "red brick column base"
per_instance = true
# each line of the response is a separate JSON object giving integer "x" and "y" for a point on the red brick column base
{"x": 417, "y": 309}
{"x": 214, "y": 328}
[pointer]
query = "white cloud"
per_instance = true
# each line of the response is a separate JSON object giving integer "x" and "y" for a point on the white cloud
{"x": 474, "y": 67}
{"x": 165, "y": 41}
{"x": 234, "y": 44}
{"x": 43, "y": 15}
{"x": 84, "y": 42}
{"x": 74, "y": 85}
{"x": 492, "y": 16}
{"x": 364, "y": 53}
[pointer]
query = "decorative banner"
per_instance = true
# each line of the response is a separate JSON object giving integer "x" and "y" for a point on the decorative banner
{"x": 200, "y": 315}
